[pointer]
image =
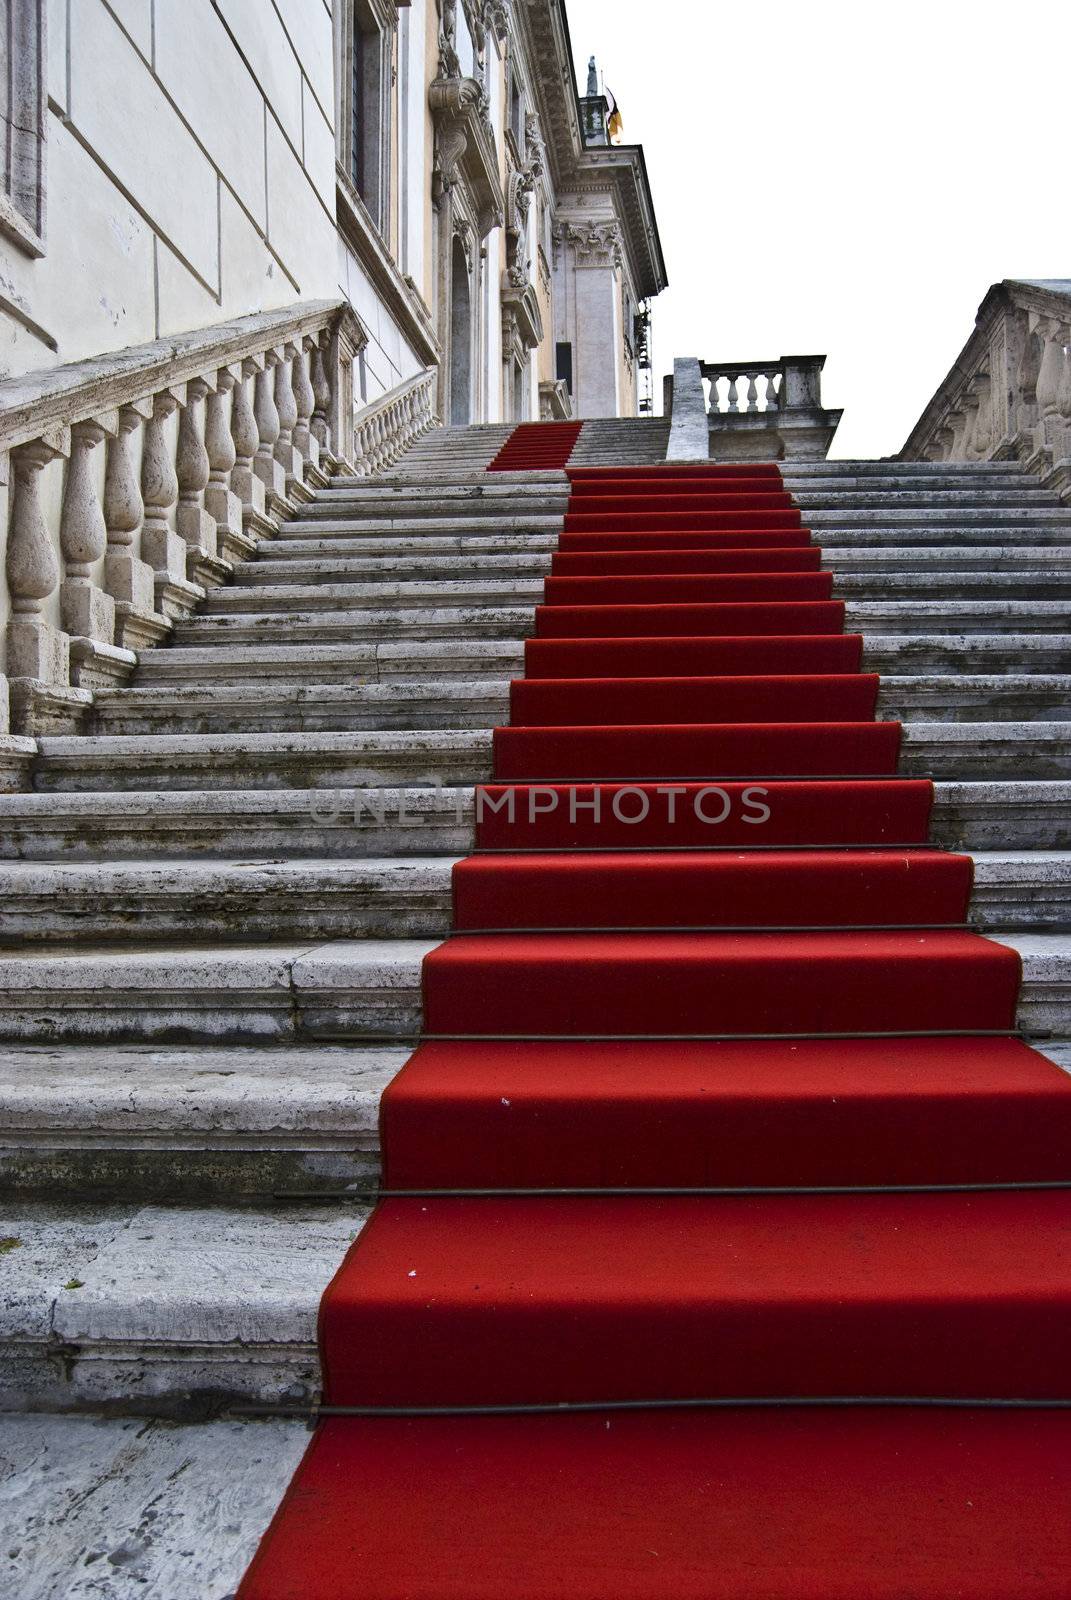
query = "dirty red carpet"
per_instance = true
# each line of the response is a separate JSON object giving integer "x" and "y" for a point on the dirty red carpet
{"x": 703, "y": 947}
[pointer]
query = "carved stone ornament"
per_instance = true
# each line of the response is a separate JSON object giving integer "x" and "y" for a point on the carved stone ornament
{"x": 597, "y": 244}
{"x": 464, "y": 149}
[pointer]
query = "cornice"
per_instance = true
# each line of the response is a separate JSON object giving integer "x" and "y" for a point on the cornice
{"x": 363, "y": 238}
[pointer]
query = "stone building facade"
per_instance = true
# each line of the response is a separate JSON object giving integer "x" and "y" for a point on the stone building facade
{"x": 176, "y": 164}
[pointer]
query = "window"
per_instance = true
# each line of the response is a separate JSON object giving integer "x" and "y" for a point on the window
{"x": 365, "y": 44}
{"x": 22, "y": 86}
{"x": 357, "y": 112}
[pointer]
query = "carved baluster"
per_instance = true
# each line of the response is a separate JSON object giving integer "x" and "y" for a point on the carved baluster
{"x": 223, "y": 505}
{"x": 286, "y": 406}
{"x": 38, "y": 654}
{"x": 321, "y": 389}
{"x": 87, "y": 611}
{"x": 127, "y": 578}
{"x": 752, "y": 392}
{"x": 1049, "y": 434}
{"x": 268, "y": 470}
{"x": 161, "y": 546}
{"x": 306, "y": 404}
{"x": 244, "y": 480}
{"x": 194, "y": 523}
{"x": 733, "y": 396}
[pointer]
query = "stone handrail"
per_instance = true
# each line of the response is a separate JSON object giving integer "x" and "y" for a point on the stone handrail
{"x": 384, "y": 430}
{"x": 738, "y": 420}
{"x": 1008, "y": 393}
{"x": 138, "y": 479}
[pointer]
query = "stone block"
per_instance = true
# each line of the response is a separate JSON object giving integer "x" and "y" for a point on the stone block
{"x": 318, "y": 154}
{"x": 87, "y": 611}
{"x": 196, "y": 59}
{"x": 36, "y": 649}
{"x": 138, "y": 135}
{"x": 299, "y": 227}
{"x": 263, "y": 42}
{"x": 129, "y": 580}
{"x": 311, "y": 36}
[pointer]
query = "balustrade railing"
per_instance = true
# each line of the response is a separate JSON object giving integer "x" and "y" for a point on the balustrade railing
{"x": 384, "y": 430}
{"x": 749, "y": 410}
{"x": 137, "y": 480}
{"x": 1008, "y": 394}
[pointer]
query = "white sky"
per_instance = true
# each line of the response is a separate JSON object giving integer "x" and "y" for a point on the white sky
{"x": 842, "y": 177}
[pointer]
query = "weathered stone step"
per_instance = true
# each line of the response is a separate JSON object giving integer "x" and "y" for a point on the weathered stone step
{"x": 1022, "y": 814}
{"x": 1025, "y": 495}
{"x": 475, "y": 520}
{"x": 196, "y": 1123}
{"x": 286, "y": 992}
{"x": 133, "y": 1493}
{"x": 399, "y": 660}
{"x": 484, "y": 702}
{"x": 338, "y": 565}
{"x": 167, "y": 1310}
{"x": 390, "y": 759}
{"x": 407, "y": 897}
{"x": 349, "y": 540}
{"x": 321, "y": 625}
{"x": 929, "y": 514}
{"x": 367, "y": 661}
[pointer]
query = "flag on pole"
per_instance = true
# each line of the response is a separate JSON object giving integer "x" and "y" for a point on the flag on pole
{"x": 614, "y": 125}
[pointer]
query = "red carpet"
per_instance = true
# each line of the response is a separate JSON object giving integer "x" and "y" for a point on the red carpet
{"x": 702, "y": 945}
{"x": 740, "y": 1505}
{"x": 537, "y": 447}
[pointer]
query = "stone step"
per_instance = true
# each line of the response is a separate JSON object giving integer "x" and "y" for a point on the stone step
{"x": 399, "y": 660}
{"x": 196, "y": 1123}
{"x": 168, "y": 1310}
{"x": 334, "y": 565}
{"x": 1023, "y": 814}
{"x": 349, "y": 538}
{"x": 930, "y": 515}
{"x": 484, "y": 702}
{"x": 488, "y": 589}
{"x": 406, "y": 897}
{"x": 279, "y": 993}
{"x": 322, "y": 625}
{"x": 474, "y": 520}
{"x": 128, "y": 1508}
{"x": 403, "y": 758}
{"x": 1025, "y": 496}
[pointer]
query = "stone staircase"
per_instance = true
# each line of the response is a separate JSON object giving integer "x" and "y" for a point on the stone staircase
{"x": 218, "y": 894}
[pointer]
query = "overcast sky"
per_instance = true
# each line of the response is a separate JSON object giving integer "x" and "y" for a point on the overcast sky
{"x": 842, "y": 178}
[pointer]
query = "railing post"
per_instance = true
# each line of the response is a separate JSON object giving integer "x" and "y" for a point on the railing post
{"x": 689, "y": 433}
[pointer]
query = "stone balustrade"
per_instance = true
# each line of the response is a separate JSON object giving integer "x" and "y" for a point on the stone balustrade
{"x": 1008, "y": 393}
{"x": 384, "y": 430}
{"x": 749, "y": 410}
{"x": 138, "y": 479}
